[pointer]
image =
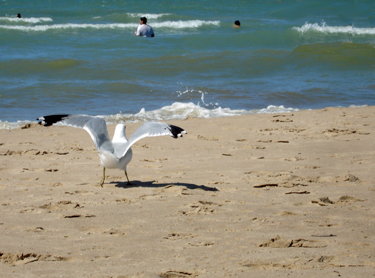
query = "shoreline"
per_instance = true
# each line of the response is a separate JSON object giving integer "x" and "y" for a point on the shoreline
{"x": 191, "y": 111}
{"x": 263, "y": 195}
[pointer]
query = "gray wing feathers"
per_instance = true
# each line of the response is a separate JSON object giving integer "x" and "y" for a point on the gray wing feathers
{"x": 95, "y": 126}
{"x": 77, "y": 120}
{"x": 97, "y": 129}
{"x": 149, "y": 129}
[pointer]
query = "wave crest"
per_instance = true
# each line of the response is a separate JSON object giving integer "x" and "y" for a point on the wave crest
{"x": 33, "y": 20}
{"x": 149, "y": 16}
{"x": 185, "y": 24}
{"x": 181, "y": 111}
{"x": 165, "y": 24}
{"x": 175, "y": 111}
{"x": 324, "y": 28}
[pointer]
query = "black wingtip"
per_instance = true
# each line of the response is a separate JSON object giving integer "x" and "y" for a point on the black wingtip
{"x": 51, "y": 119}
{"x": 176, "y": 131}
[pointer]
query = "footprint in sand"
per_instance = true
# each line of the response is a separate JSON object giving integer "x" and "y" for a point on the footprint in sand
{"x": 79, "y": 216}
{"x": 264, "y": 141}
{"x": 9, "y": 152}
{"x": 177, "y": 274}
{"x": 154, "y": 160}
{"x": 294, "y": 158}
{"x": 287, "y": 213}
{"x": 285, "y": 263}
{"x": 287, "y": 120}
{"x": 61, "y": 206}
{"x": 266, "y": 185}
{"x": 27, "y": 152}
{"x": 124, "y": 201}
{"x": 114, "y": 232}
{"x": 203, "y": 207}
{"x": 15, "y": 259}
{"x": 51, "y": 170}
{"x": 257, "y": 147}
{"x": 35, "y": 229}
{"x": 179, "y": 236}
{"x": 336, "y": 132}
{"x": 269, "y": 264}
{"x": 200, "y": 137}
{"x": 202, "y": 244}
{"x": 107, "y": 232}
{"x": 324, "y": 201}
{"x": 278, "y": 242}
{"x": 297, "y": 192}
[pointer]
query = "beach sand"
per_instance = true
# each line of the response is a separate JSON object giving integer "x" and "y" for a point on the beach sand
{"x": 267, "y": 195}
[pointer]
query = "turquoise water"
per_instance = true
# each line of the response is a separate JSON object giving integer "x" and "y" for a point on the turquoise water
{"x": 82, "y": 57}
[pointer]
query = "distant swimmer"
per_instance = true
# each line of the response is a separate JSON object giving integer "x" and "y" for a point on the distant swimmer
{"x": 237, "y": 24}
{"x": 19, "y": 15}
{"x": 143, "y": 29}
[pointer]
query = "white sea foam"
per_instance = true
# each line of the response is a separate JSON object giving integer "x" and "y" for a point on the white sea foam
{"x": 176, "y": 111}
{"x": 180, "y": 111}
{"x": 184, "y": 24}
{"x": 357, "y": 106}
{"x": 148, "y": 16}
{"x": 12, "y": 125}
{"x": 42, "y": 28}
{"x": 276, "y": 109}
{"x": 193, "y": 92}
{"x": 27, "y": 19}
{"x": 324, "y": 28}
{"x": 169, "y": 24}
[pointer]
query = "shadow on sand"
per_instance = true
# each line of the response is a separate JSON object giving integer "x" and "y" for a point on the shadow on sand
{"x": 152, "y": 184}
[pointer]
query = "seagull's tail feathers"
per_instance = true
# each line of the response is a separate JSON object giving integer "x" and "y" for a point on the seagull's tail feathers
{"x": 51, "y": 119}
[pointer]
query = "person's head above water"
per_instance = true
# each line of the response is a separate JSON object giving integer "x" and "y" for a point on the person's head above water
{"x": 237, "y": 23}
{"x": 19, "y": 15}
{"x": 143, "y": 29}
{"x": 143, "y": 19}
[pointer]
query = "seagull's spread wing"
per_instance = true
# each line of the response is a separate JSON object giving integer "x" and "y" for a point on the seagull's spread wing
{"x": 95, "y": 126}
{"x": 152, "y": 129}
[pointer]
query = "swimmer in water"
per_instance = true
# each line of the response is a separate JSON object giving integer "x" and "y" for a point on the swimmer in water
{"x": 143, "y": 29}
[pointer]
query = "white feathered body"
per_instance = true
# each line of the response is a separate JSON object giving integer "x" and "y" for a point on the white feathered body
{"x": 110, "y": 161}
{"x": 116, "y": 160}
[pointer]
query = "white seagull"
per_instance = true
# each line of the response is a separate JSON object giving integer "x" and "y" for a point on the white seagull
{"x": 115, "y": 154}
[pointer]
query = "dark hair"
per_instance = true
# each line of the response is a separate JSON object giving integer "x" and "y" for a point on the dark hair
{"x": 19, "y": 15}
{"x": 237, "y": 22}
{"x": 144, "y": 20}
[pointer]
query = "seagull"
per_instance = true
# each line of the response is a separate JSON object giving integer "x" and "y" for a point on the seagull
{"x": 115, "y": 154}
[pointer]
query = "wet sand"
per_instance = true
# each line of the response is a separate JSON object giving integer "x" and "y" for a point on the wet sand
{"x": 268, "y": 195}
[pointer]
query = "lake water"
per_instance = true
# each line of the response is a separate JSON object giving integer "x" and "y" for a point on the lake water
{"x": 82, "y": 57}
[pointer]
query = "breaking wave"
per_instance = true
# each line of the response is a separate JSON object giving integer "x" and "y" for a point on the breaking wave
{"x": 169, "y": 24}
{"x": 149, "y": 16}
{"x": 33, "y": 20}
{"x": 324, "y": 28}
{"x": 176, "y": 111}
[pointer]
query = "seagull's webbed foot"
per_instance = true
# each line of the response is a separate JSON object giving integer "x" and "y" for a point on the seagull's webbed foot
{"x": 103, "y": 178}
{"x": 126, "y": 174}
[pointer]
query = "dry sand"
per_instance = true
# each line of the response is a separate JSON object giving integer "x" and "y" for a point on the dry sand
{"x": 269, "y": 195}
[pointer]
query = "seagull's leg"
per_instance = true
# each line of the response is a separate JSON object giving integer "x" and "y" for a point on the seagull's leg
{"x": 103, "y": 178}
{"x": 126, "y": 174}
